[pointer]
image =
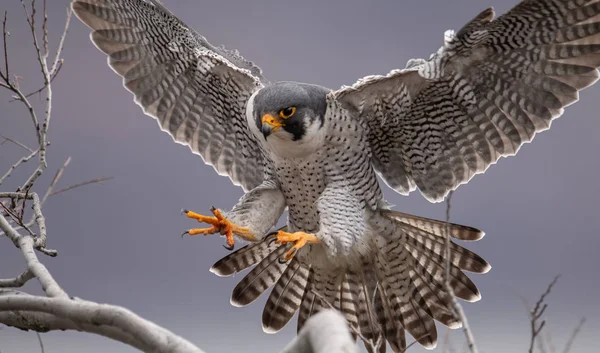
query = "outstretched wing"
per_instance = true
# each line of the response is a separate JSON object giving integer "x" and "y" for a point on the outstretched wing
{"x": 195, "y": 91}
{"x": 491, "y": 87}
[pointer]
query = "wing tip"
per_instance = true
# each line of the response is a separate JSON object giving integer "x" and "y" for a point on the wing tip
{"x": 234, "y": 301}
{"x": 475, "y": 297}
{"x": 455, "y": 325}
{"x": 220, "y": 271}
{"x": 269, "y": 329}
{"x": 429, "y": 344}
{"x": 487, "y": 268}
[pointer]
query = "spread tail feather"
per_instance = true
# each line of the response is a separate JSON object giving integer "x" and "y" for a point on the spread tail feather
{"x": 245, "y": 257}
{"x": 286, "y": 297}
{"x": 398, "y": 289}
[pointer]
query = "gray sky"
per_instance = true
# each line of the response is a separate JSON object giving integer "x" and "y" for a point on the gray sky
{"x": 119, "y": 242}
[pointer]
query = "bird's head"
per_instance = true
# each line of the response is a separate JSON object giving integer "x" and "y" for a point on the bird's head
{"x": 290, "y": 114}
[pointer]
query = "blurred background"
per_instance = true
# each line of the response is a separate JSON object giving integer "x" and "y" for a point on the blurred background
{"x": 119, "y": 241}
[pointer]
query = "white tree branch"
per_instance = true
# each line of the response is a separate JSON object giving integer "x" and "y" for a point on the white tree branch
{"x": 326, "y": 332}
{"x": 16, "y": 165}
{"x": 18, "y": 281}
{"x": 46, "y": 314}
{"x": 49, "y": 285}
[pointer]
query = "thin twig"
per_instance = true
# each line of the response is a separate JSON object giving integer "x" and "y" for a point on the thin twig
{"x": 57, "y": 59}
{"x": 5, "y": 76}
{"x": 41, "y": 343}
{"x": 20, "y": 144}
{"x": 31, "y": 22}
{"x": 44, "y": 30}
{"x": 455, "y": 305}
{"x": 16, "y": 165}
{"x": 574, "y": 335}
{"x": 41, "y": 89}
{"x": 83, "y": 183}
{"x": 57, "y": 176}
{"x": 537, "y": 312}
{"x": 12, "y": 214}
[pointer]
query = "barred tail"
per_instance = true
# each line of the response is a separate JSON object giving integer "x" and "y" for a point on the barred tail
{"x": 399, "y": 289}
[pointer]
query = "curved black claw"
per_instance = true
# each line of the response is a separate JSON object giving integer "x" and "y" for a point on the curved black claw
{"x": 230, "y": 248}
{"x": 184, "y": 211}
{"x": 212, "y": 208}
{"x": 292, "y": 253}
{"x": 185, "y": 233}
{"x": 272, "y": 240}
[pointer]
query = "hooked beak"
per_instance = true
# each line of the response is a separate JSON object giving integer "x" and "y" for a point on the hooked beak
{"x": 270, "y": 124}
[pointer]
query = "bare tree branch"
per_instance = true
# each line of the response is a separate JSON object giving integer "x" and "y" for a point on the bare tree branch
{"x": 40, "y": 341}
{"x": 16, "y": 165}
{"x": 50, "y": 192}
{"x": 26, "y": 244}
{"x": 455, "y": 305}
{"x": 324, "y": 332}
{"x": 83, "y": 183}
{"x": 4, "y": 34}
{"x": 18, "y": 281}
{"x": 57, "y": 176}
{"x": 47, "y": 314}
{"x": 537, "y": 312}
{"x": 57, "y": 58}
{"x": 574, "y": 335}
{"x": 16, "y": 143}
{"x": 58, "y": 61}
{"x": 41, "y": 89}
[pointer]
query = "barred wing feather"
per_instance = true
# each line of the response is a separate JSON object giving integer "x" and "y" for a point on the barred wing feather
{"x": 195, "y": 91}
{"x": 491, "y": 87}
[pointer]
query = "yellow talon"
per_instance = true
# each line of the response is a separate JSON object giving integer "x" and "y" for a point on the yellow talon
{"x": 221, "y": 225}
{"x": 300, "y": 239}
{"x": 205, "y": 231}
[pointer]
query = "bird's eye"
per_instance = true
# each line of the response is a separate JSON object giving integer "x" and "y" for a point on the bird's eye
{"x": 287, "y": 112}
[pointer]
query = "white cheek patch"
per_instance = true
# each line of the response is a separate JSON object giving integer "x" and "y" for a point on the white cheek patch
{"x": 283, "y": 144}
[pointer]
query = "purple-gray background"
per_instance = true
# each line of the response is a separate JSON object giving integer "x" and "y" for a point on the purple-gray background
{"x": 119, "y": 242}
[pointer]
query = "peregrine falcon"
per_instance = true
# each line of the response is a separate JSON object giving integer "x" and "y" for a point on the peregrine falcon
{"x": 433, "y": 125}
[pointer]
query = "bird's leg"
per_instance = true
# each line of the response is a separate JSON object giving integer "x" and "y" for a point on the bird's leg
{"x": 219, "y": 224}
{"x": 298, "y": 238}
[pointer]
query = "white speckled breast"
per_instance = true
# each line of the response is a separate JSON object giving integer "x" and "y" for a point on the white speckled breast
{"x": 302, "y": 182}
